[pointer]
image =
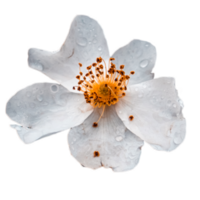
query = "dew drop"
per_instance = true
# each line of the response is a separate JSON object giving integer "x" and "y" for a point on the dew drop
{"x": 181, "y": 103}
{"x": 140, "y": 95}
{"x": 174, "y": 105}
{"x": 144, "y": 63}
{"x": 120, "y": 112}
{"x": 54, "y": 88}
{"x": 32, "y": 105}
{"x": 94, "y": 41}
{"x": 169, "y": 103}
{"x": 45, "y": 103}
{"x": 39, "y": 97}
{"x": 138, "y": 53}
{"x": 81, "y": 41}
{"x": 119, "y": 138}
{"x": 28, "y": 94}
{"x": 99, "y": 49}
{"x": 36, "y": 65}
{"x": 177, "y": 140}
{"x": 89, "y": 42}
{"x": 146, "y": 45}
{"x": 80, "y": 33}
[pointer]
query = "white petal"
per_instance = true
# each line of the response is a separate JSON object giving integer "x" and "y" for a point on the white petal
{"x": 157, "y": 113}
{"x": 44, "y": 109}
{"x": 138, "y": 56}
{"x": 85, "y": 42}
{"x": 118, "y": 148}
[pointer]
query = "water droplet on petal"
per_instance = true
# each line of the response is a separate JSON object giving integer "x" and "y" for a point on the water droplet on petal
{"x": 181, "y": 103}
{"x": 119, "y": 138}
{"x": 144, "y": 63}
{"x": 81, "y": 41}
{"x": 94, "y": 41}
{"x": 36, "y": 65}
{"x": 11, "y": 112}
{"x": 99, "y": 48}
{"x": 138, "y": 53}
{"x": 174, "y": 105}
{"x": 45, "y": 103}
{"x": 178, "y": 140}
{"x": 54, "y": 88}
{"x": 120, "y": 112}
{"x": 169, "y": 103}
{"x": 32, "y": 105}
{"x": 39, "y": 97}
{"x": 146, "y": 45}
{"x": 28, "y": 94}
{"x": 140, "y": 95}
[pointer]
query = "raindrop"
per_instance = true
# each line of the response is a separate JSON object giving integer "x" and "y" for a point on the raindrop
{"x": 140, "y": 95}
{"x": 32, "y": 105}
{"x": 45, "y": 103}
{"x": 81, "y": 41}
{"x": 169, "y": 103}
{"x": 177, "y": 140}
{"x": 119, "y": 138}
{"x": 99, "y": 49}
{"x": 174, "y": 105}
{"x": 146, "y": 45}
{"x": 41, "y": 92}
{"x": 28, "y": 94}
{"x": 54, "y": 88}
{"x": 11, "y": 112}
{"x": 138, "y": 53}
{"x": 144, "y": 63}
{"x": 39, "y": 97}
{"x": 36, "y": 65}
{"x": 80, "y": 33}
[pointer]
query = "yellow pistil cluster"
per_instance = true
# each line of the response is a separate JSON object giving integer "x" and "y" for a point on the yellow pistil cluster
{"x": 102, "y": 86}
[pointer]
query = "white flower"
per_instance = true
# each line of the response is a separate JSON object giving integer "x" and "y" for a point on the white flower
{"x": 113, "y": 113}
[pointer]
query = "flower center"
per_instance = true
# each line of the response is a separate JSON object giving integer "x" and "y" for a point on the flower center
{"x": 101, "y": 85}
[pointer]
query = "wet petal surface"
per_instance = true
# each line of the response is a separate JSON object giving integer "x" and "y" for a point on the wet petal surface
{"x": 85, "y": 42}
{"x": 46, "y": 108}
{"x": 110, "y": 144}
{"x": 157, "y": 112}
{"x": 138, "y": 56}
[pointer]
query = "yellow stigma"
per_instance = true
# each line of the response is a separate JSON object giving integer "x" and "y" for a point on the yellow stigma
{"x": 101, "y": 85}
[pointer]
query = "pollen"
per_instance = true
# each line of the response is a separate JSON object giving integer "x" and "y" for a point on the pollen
{"x": 96, "y": 154}
{"x": 103, "y": 85}
{"x": 131, "y": 117}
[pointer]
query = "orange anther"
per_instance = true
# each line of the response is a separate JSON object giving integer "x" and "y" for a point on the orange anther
{"x": 131, "y": 117}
